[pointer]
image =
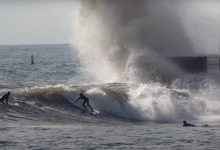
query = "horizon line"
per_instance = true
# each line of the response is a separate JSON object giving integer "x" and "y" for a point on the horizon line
{"x": 35, "y": 44}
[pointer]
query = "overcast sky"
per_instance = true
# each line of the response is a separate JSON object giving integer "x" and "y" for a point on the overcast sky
{"x": 51, "y": 21}
{"x": 36, "y": 21}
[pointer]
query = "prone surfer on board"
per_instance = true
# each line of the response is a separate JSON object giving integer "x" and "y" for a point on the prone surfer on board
{"x": 188, "y": 124}
{"x": 86, "y": 101}
{"x": 5, "y": 97}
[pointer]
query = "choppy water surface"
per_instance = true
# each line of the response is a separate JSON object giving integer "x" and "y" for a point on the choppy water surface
{"x": 49, "y": 129}
{"x": 52, "y": 63}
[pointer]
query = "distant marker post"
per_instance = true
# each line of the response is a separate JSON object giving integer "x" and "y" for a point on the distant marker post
{"x": 32, "y": 59}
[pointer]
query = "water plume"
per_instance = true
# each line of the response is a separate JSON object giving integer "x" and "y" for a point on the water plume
{"x": 126, "y": 40}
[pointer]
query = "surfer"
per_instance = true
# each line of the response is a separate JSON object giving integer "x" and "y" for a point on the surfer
{"x": 86, "y": 101}
{"x": 5, "y": 97}
{"x": 205, "y": 125}
{"x": 188, "y": 124}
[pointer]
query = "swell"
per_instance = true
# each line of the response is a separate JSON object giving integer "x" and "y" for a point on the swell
{"x": 188, "y": 98}
{"x": 55, "y": 103}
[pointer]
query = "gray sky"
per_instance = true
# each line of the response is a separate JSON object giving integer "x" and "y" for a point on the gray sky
{"x": 36, "y": 21}
{"x": 51, "y": 21}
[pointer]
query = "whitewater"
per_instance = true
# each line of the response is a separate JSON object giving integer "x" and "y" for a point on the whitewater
{"x": 118, "y": 60}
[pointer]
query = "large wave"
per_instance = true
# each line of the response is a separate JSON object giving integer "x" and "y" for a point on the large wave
{"x": 128, "y": 41}
{"x": 197, "y": 97}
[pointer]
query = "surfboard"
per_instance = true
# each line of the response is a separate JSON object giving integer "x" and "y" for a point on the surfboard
{"x": 80, "y": 106}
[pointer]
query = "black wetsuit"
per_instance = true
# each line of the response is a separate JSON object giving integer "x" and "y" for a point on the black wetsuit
{"x": 188, "y": 125}
{"x": 86, "y": 101}
{"x": 5, "y": 97}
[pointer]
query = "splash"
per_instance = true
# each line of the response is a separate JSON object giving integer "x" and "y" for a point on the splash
{"x": 122, "y": 40}
{"x": 128, "y": 41}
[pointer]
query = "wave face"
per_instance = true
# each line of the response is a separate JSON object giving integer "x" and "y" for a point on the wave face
{"x": 197, "y": 97}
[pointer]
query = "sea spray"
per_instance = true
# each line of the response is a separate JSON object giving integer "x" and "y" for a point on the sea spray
{"x": 114, "y": 35}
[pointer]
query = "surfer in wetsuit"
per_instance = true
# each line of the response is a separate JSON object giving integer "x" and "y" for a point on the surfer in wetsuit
{"x": 188, "y": 124}
{"x": 5, "y": 97}
{"x": 86, "y": 101}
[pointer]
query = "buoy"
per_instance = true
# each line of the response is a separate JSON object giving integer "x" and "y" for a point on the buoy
{"x": 32, "y": 59}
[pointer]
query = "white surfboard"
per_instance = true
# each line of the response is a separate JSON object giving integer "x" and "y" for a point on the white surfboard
{"x": 80, "y": 106}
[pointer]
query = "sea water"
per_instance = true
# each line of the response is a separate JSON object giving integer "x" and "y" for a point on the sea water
{"x": 41, "y": 113}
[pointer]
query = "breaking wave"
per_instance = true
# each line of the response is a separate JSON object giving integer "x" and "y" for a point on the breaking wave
{"x": 198, "y": 96}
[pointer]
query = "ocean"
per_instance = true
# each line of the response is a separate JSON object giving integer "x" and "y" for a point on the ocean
{"x": 129, "y": 115}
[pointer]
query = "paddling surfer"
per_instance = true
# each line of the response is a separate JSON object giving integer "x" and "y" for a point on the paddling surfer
{"x": 86, "y": 101}
{"x": 188, "y": 124}
{"x": 5, "y": 97}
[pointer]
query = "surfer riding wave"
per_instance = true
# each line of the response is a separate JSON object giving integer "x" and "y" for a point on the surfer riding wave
{"x": 86, "y": 101}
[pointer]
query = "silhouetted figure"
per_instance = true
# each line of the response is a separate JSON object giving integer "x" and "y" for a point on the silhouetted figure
{"x": 5, "y": 97}
{"x": 188, "y": 124}
{"x": 86, "y": 101}
{"x": 205, "y": 125}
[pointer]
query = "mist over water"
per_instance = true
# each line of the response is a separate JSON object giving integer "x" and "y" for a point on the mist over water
{"x": 128, "y": 36}
{"x": 121, "y": 40}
